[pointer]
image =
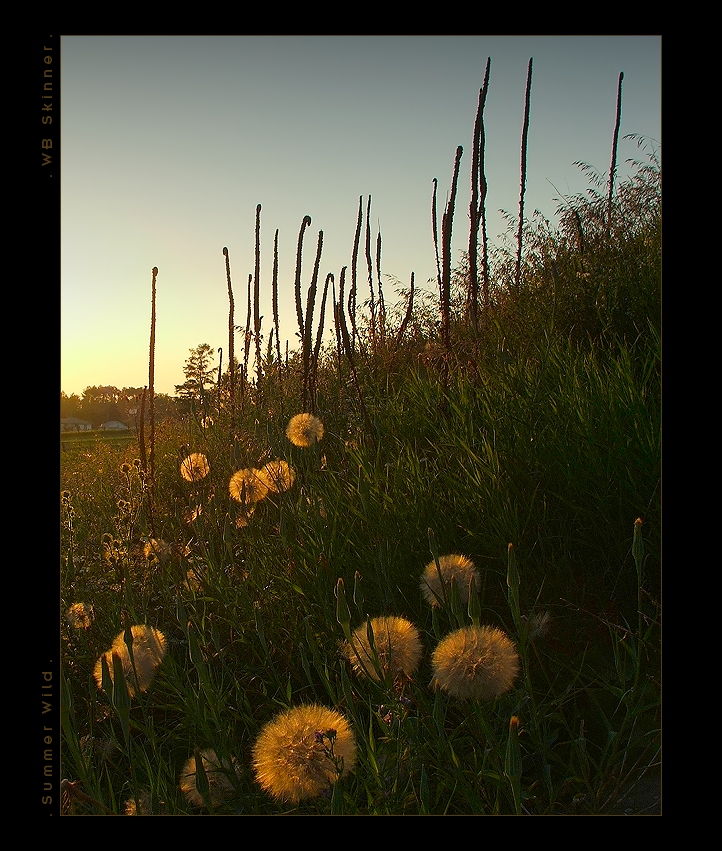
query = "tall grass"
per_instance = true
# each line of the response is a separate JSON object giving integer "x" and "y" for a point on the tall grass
{"x": 524, "y": 435}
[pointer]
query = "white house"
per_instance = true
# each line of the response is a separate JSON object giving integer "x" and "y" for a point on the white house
{"x": 74, "y": 424}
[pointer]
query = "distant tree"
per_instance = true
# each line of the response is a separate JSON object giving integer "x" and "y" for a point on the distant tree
{"x": 165, "y": 407}
{"x": 100, "y": 404}
{"x": 70, "y": 406}
{"x": 131, "y": 403}
{"x": 199, "y": 373}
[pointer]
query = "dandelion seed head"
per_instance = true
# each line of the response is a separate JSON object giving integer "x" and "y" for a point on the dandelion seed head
{"x": 475, "y": 662}
{"x": 398, "y": 648}
{"x": 220, "y": 785}
{"x": 194, "y": 467}
{"x": 304, "y": 430}
{"x": 248, "y": 486}
{"x": 278, "y": 476}
{"x": 293, "y": 763}
{"x": 456, "y": 568}
{"x": 148, "y": 653}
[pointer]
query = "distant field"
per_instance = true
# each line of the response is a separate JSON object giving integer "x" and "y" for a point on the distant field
{"x": 79, "y": 439}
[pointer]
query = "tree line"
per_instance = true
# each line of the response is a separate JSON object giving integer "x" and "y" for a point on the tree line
{"x": 101, "y": 404}
{"x": 104, "y": 403}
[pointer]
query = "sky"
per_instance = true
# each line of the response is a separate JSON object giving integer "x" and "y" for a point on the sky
{"x": 169, "y": 143}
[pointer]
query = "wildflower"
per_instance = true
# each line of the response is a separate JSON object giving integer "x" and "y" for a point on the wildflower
{"x": 220, "y": 786}
{"x": 303, "y": 751}
{"x": 475, "y": 662}
{"x": 206, "y": 422}
{"x": 397, "y": 643}
{"x": 194, "y": 467}
{"x": 456, "y": 568}
{"x": 248, "y": 486}
{"x": 148, "y": 653}
{"x": 278, "y": 476}
{"x": 304, "y": 430}
{"x": 80, "y": 616}
{"x": 125, "y": 468}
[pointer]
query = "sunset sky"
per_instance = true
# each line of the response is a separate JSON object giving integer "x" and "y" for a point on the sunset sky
{"x": 168, "y": 143}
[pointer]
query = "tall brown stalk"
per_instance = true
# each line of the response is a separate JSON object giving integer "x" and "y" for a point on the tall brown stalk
{"x": 151, "y": 406}
{"x": 354, "y": 262}
{"x": 231, "y": 341}
{"x": 297, "y": 283}
{"x": 256, "y": 299}
{"x": 274, "y": 298}
{"x": 524, "y": 140}
{"x": 435, "y": 232}
{"x": 369, "y": 267}
{"x": 382, "y": 304}
{"x": 446, "y": 229}
{"x": 308, "y": 393}
{"x": 477, "y": 210}
{"x": 246, "y": 342}
{"x": 615, "y": 142}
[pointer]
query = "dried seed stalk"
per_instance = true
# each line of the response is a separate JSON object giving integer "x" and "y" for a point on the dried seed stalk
{"x": 231, "y": 339}
{"x": 524, "y": 140}
{"x": 615, "y": 142}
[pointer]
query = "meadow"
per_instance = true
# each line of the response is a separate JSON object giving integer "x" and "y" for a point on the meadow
{"x": 413, "y": 571}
